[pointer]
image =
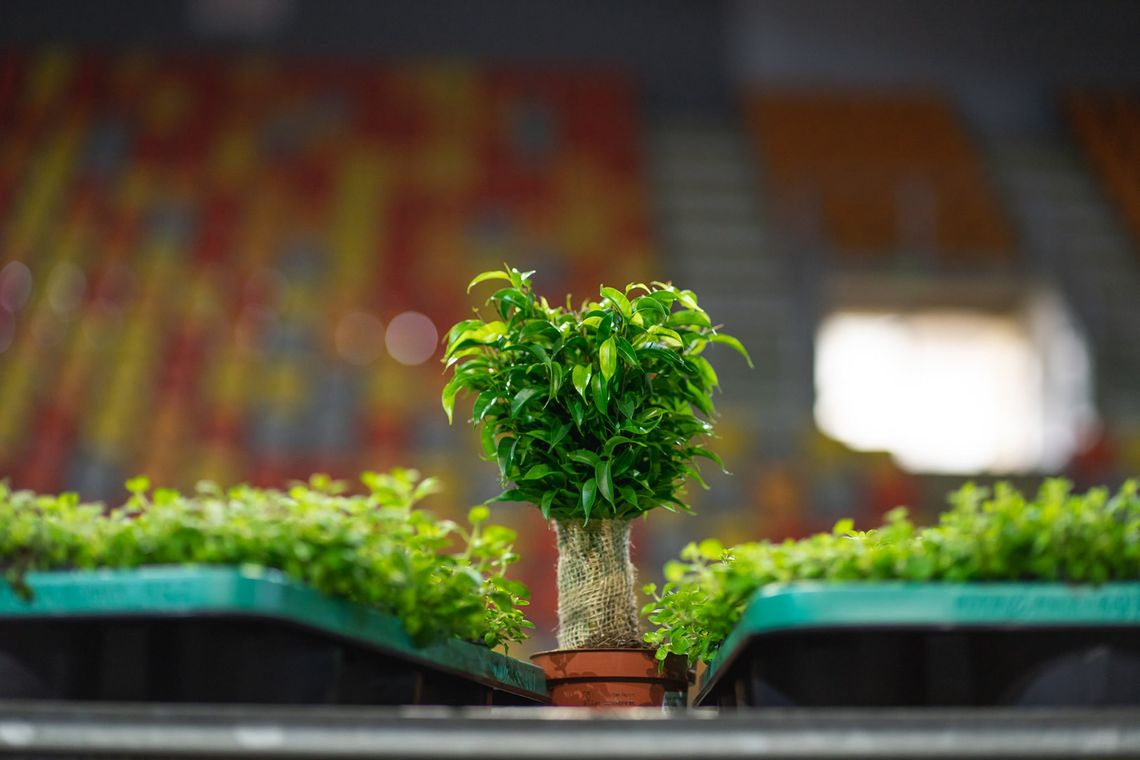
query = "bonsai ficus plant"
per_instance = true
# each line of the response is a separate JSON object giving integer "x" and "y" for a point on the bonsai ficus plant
{"x": 376, "y": 549}
{"x": 595, "y": 415}
{"x": 985, "y": 535}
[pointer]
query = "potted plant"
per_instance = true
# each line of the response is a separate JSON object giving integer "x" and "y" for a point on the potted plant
{"x": 306, "y": 595}
{"x": 595, "y": 415}
{"x": 1007, "y": 599}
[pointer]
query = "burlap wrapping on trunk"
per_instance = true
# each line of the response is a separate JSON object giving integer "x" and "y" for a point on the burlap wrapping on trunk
{"x": 597, "y": 604}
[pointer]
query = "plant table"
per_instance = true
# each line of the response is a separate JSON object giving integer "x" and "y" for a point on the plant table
{"x": 232, "y": 634}
{"x": 896, "y": 644}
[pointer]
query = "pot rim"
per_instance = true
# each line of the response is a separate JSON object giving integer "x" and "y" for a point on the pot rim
{"x": 628, "y": 650}
{"x": 636, "y": 664}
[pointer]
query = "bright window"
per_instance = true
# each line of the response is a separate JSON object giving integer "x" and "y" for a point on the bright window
{"x": 954, "y": 390}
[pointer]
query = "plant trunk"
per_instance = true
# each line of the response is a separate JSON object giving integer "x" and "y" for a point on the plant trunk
{"x": 597, "y": 604}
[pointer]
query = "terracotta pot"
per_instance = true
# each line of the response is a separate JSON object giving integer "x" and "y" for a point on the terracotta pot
{"x": 610, "y": 677}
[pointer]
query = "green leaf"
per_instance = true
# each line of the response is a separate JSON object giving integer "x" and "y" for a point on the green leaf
{"x": 688, "y": 299}
{"x": 605, "y": 328}
{"x": 541, "y": 435}
{"x": 510, "y": 297}
{"x": 521, "y": 399}
{"x": 511, "y": 494}
{"x": 557, "y": 436}
{"x": 138, "y": 485}
{"x": 448, "y": 397}
{"x": 600, "y": 393}
{"x": 520, "y": 279}
{"x": 661, "y": 355}
{"x": 478, "y": 515}
{"x": 616, "y": 441}
{"x": 459, "y": 328}
{"x": 666, "y": 335}
{"x": 483, "y": 277}
{"x": 698, "y": 451}
{"x": 585, "y": 457}
{"x": 695, "y": 317}
{"x": 577, "y": 412}
{"x": 538, "y": 328}
{"x": 734, "y": 344}
{"x": 651, "y": 309}
{"x": 674, "y": 571}
{"x": 618, "y": 299}
{"x": 581, "y": 377}
{"x": 700, "y": 399}
{"x": 487, "y": 437}
{"x": 555, "y": 380}
{"x": 607, "y": 358}
{"x": 707, "y": 373}
{"x": 492, "y": 331}
{"x": 624, "y": 461}
{"x": 483, "y": 403}
{"x": 505, "y": 455}
{"x": 626, "y": 352}
{"x": 538, "y": 352}
{"x": 538, "y": 472}
{"x": 589, "y": 492}
{"x": 594, "y": 321}
{"x": 605, "y": 485}
{"x": 547, "y": 501}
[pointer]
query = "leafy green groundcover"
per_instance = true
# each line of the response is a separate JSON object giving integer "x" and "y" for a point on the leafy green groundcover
{"x": 376, "y": 549}
{"x": 997, "y": 535}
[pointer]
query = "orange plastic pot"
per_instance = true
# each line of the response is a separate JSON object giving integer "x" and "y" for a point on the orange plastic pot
{"x": 611, "y": 677}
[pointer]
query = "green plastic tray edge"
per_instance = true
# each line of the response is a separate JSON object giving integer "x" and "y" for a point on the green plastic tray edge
{"x": 254, "y": 591}
{"x": 816, "y": 604}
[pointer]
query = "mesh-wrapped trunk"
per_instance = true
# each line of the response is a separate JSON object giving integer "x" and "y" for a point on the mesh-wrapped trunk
{"x": 597, "y": 602}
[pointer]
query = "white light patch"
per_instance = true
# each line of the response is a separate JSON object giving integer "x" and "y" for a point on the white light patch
{"x": 946, "y": 391}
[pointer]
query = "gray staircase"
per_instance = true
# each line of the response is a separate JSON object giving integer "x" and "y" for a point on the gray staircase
{"x": 715, "y": 241}
{"x": 1073, "y": 238}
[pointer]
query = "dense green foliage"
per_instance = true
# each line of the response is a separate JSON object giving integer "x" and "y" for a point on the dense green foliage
{"x": 375, "y": 549}
{"x": 984, "y": 536}
{"x": 589, "y": 412}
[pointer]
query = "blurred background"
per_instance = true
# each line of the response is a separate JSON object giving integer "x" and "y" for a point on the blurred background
{"x": 232, "y": 233}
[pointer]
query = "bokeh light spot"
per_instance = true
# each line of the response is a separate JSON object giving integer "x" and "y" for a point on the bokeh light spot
{"x": 411, "y": 338}
{"x": 15, "y": 285}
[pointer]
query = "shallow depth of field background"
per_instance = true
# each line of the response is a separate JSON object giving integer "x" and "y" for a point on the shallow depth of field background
{"x": 233, "y": 232}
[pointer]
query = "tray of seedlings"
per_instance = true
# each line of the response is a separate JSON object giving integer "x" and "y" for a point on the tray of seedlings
{"x": 304, "y": 596}
{"x": 1007, "y": 600}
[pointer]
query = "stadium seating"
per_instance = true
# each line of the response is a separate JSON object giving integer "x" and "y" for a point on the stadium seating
{"x": 1107, "y": 125}
{"x": 215, "y": 247}
{"x": 880, "y": 175}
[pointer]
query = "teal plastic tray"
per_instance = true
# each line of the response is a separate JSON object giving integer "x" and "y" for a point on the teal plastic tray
{"x": 262, "y": 593}
{"x": 853, "y": 605}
